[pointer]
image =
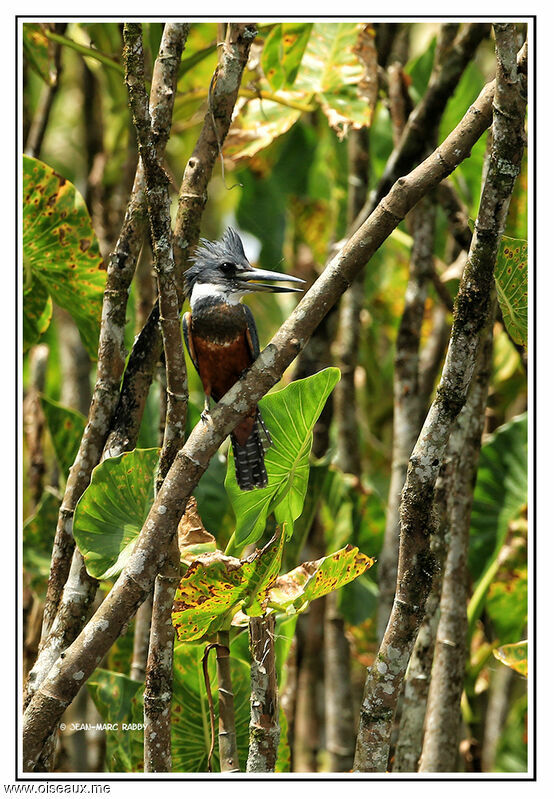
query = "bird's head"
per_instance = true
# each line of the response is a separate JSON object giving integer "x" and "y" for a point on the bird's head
{"x": 220, "y": 268}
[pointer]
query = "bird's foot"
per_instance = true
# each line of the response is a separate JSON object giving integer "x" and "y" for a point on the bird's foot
{"x": 205, "y": 416}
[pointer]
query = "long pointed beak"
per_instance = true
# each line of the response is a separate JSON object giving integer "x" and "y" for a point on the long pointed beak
{"x": 247, "y": 276}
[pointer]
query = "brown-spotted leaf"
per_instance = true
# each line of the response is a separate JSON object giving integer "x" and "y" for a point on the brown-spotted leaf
{"x": 292, "y": 591}
{"x": 510, "y": 275}
{"x": 514, "y": 656}
{"x": 39, "y": 51}
{"x": 215, "y": 585}
{"x": 60, "y": 249}
{"x": 336, "y": 67}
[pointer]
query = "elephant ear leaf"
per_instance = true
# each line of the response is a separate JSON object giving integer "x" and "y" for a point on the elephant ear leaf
{"x": 290, "y": 416}
{"x": 61, "y": 256}
{"x": 111, "y": 512}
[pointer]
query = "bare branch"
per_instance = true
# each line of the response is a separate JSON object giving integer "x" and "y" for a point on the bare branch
{"x": 138, "y": 576}
{"x": 416, "y": 565}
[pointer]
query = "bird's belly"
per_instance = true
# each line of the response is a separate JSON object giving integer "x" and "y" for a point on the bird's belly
{"x": 221, "y": 364}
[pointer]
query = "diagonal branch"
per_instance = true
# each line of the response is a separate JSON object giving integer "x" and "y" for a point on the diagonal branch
{"x": 137, "y": 578}
{"x": 65, "y": 612}
{"x": 416, "y": 563}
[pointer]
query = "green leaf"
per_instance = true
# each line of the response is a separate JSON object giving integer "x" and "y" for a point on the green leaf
{"x": 216, "y": 585}
{"x": 514, "y": 656}
{"x": 190, "y": 720}
{"x": 118, "y": 699}
{"x": 38, "y": 51}
{"x": 110, "y": 514}
{"x": 511, "y": 285}
{"x": 37, "y": 312}
{"x": 506, "y": 605}
{"x": 213, "y": 502}
{"x": 500, "y": 492}
{"x": 290, "y": 415}
{"x": 259, "y": 123}
{"x": 61, "y": 250}
{"x": 38, "y": 538}
{"x": 66, "y": 428}
{"x": 291, "y": 592}
{"x": 419, "y": 69}
{"x": 283, "y": 51}
{"x": 332, "y": 70}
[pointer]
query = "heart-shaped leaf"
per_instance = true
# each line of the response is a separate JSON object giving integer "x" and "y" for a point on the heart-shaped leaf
{"x": 215, "y": 585}
{"x": 290, "y": 415}
{"x": 60, "y": 251}
{"x": 511, "y": 285}
{"x": 110, "y": 514}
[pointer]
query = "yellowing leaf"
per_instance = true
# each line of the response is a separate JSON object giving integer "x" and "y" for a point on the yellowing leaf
{"x": 61, "y": 256}
{"x": 514, "y": 656}
{"x": 216, "y": 584}
{"x": 292, "y": 591}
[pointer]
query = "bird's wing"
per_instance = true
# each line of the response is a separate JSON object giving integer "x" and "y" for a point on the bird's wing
{"x": 251, "y": 333}
{"x": 187, "y": 333}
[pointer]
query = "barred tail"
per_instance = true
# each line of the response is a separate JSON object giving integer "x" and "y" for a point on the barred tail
{"x": 249, "y": 458}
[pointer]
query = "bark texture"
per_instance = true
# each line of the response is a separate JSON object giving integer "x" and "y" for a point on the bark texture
{"x": 416, "y": 563}
{"x": 137, "y": 578}
{"x": 264, "y": 701}
{"x": 149, "y": 128}
{"x": 442, "y": 724}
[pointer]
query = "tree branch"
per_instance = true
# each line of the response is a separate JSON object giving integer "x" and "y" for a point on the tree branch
{"x": 159, "y": 668}
{"x": 138, "y": 576}
{"x": 65, "y": 613}
{"x": 416, "y": 565}
{"x": 264, "y": 702}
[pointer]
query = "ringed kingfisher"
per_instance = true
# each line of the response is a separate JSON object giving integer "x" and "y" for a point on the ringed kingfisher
{"x": 222, "y": 340}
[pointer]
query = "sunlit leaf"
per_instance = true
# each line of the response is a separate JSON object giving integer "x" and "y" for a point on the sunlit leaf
{"x": 332, "y": 69}
{"x": 60, "y": 248}
{"x": 66, "y": 428}
{"x": 110, "y": 514}
{"x": 259, "y": 123}
{"x": 292, "y": 591}
{"x": 283, "y": 51}
{"x": 290, "y": 415}
{"x": 514, "y": 656}
{"x": 511, "y": 286}
{"x": 215, "y": 585}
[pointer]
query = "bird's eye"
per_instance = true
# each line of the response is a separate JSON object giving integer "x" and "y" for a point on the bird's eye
{"x": 227, "y": 267}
